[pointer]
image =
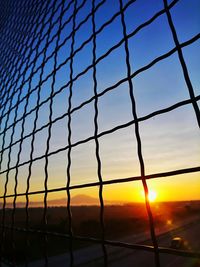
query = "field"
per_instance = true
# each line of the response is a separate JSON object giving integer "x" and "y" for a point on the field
{"x": 120, "y": 221}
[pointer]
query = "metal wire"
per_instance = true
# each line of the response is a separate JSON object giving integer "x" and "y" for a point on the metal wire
{"x": 140, "y": 27}
{"x": 138, "y": 138}
{"x": 16, "y": 173}
{"x": 29, "y": 29}
{"x": 182, "y": 62}
{"x": 96, "y": 130}
{"x": 50, "y": 129}
{"x": 69, "y": 161}
{"x": 134, "y": 74}
{"x": 7, "y": 175}
{"x": 21, "y": 42}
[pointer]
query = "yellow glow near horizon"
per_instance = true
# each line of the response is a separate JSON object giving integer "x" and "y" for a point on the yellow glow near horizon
{"x": 176, "y": 188}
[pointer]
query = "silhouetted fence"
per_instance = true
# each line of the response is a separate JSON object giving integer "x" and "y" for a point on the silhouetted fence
{"x": 38, "y": 39}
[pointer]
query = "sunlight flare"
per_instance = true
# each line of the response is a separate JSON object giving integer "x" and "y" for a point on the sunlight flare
{"x": 152, "y": 195}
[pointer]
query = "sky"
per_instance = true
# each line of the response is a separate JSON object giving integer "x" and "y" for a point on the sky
{"x": 170, "y": 141}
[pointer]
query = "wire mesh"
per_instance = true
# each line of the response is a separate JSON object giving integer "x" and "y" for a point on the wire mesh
{"x": 32, "y": 35}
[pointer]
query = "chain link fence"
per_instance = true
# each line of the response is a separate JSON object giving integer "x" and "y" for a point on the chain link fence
{"x": 38, "y": 40}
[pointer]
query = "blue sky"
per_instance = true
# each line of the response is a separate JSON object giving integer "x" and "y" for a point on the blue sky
{"x": 169, "y": 141}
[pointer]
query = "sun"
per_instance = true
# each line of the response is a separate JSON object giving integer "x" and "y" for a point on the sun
{"x": 152, "y": 195}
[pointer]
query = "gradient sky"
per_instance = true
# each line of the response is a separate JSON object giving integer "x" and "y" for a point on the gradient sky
{"x": 169, "y": 141}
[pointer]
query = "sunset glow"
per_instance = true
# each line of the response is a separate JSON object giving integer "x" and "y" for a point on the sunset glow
{"x": 100, "y": 133}
{"x": 157, "y": 88}
{"x": 152, "y": 196}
